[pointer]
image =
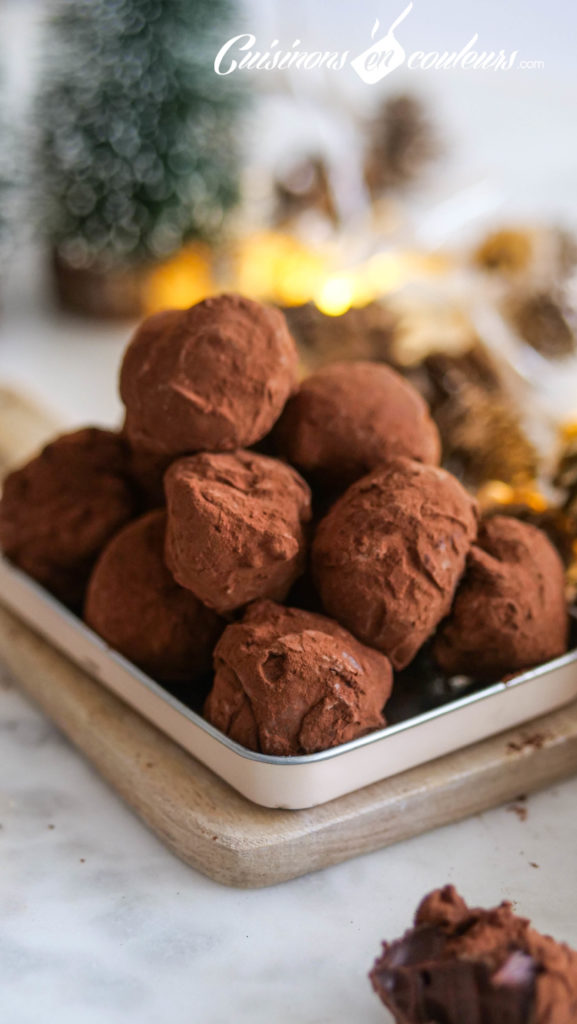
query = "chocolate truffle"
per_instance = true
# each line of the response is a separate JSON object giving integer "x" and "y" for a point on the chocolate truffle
{"x": 289, "y": 682}
{"x": 236, "y": 527}
{"x": 389, "y": 555}
{"x": 146, "y": 469}
{"x": 349, "y": 418}
{"x": 59, "y": 510}
{"x": 462, "y": 965}
{"x": 214, "y": 377}
{"x": 134, "y": 604}
{"x": 510, "y": 611}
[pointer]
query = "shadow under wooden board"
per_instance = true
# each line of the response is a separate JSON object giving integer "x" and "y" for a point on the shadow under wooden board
{"x": 222, "y": 834}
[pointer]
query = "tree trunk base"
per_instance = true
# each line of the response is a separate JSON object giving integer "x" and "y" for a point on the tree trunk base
{"x": 99, "y": 294}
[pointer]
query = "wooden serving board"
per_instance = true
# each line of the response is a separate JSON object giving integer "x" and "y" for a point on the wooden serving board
{"x": 222, "y": 834}
{"x": 219, "y": 832}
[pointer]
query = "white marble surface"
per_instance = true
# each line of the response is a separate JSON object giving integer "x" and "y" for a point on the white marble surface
{"x": 99, "y": 923}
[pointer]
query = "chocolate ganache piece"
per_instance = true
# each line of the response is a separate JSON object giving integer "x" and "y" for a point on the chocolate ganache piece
{"x": 460, "y": 965}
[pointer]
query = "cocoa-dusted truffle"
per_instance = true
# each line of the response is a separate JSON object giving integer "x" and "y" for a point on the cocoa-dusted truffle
{"x": 146, "y": 470}
{"x": 389, "y": 555}
{"x": 236, "y": 527}
{"x": 59, "y": 510}
{"x": 290, "y": 682}
{"x": 349, "y": 418}
{"x": 510, "y": 611}
{"x": 462, "y": 965}
{"x": 134, "y": 604}
{"x": 214, "y": 377}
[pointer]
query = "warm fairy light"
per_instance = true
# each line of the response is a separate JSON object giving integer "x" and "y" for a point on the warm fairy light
{"x": 532, "y": 498}
{"x": 387, "y": 271}
{"x": 278, "y": 267}
{"x": 495, "y": 492}
{"x": 180, "y": 282}
{"x": 380, "y": 275}
{"x": 336, "y": 294}
{"x": 569, "y": 431}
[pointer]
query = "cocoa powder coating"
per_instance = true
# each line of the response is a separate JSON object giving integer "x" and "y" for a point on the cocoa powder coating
{"x": 510, "y": 611}
{"x": 236, "y": 527}
{"x": 214, "y": 377}
{"x": 134, "y": 604}
{"x": 389, "y": 555}
{"x": 349, "y": 418}
{"x": 59, "y": 510}
{"x": 290, "y": 682}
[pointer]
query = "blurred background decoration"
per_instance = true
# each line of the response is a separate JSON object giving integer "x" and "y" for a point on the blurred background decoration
{"x": 7, "y": 175}
{"x": 303, "y": 234}
{"x": 427, "y": 222}
{"x": 138, "y": 151}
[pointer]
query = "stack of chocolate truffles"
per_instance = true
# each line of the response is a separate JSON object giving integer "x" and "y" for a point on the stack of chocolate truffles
{"x": 277, "y": 551}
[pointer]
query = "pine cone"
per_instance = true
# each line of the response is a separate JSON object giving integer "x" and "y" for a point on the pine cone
{"x": 565, "y": 477}
{"x": 543, "y": 321}
{"x": 306, "y": 186}
{"x": 508, "y": 251}
{"x": 402, "y": 142}
{"x": 480, "y": 427}
{"x": 537, "y": 258}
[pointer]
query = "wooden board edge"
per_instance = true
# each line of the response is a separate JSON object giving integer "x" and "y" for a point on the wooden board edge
{"x": 218, "y": 832}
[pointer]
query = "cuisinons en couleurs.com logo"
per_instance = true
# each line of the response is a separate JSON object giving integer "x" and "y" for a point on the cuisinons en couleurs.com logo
{"x": 383, "y": 56}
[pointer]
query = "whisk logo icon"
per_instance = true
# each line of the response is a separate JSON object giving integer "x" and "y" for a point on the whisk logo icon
{"x": 383, "y": 56}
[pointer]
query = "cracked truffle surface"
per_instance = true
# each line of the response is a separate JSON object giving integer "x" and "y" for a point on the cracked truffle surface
{"x": 349, "y": 418}
{"x": 461, "y": 964}
{"x": 214, "y": 377}
{"x": 134, "y": 604}
{"x": 60, "y": 509}
{"x": 389, "y": 555}
{"x": 290, "y": 682}
{"x": 236, "y": 527}
{"x": 510, "y": 611}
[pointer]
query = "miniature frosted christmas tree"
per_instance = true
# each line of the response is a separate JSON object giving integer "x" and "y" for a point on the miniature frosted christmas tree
{"x": 6, "y": 178}
{"x": 139, "y": 143}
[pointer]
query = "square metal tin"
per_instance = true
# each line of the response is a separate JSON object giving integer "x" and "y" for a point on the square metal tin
{"x": 296, "y": 782}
